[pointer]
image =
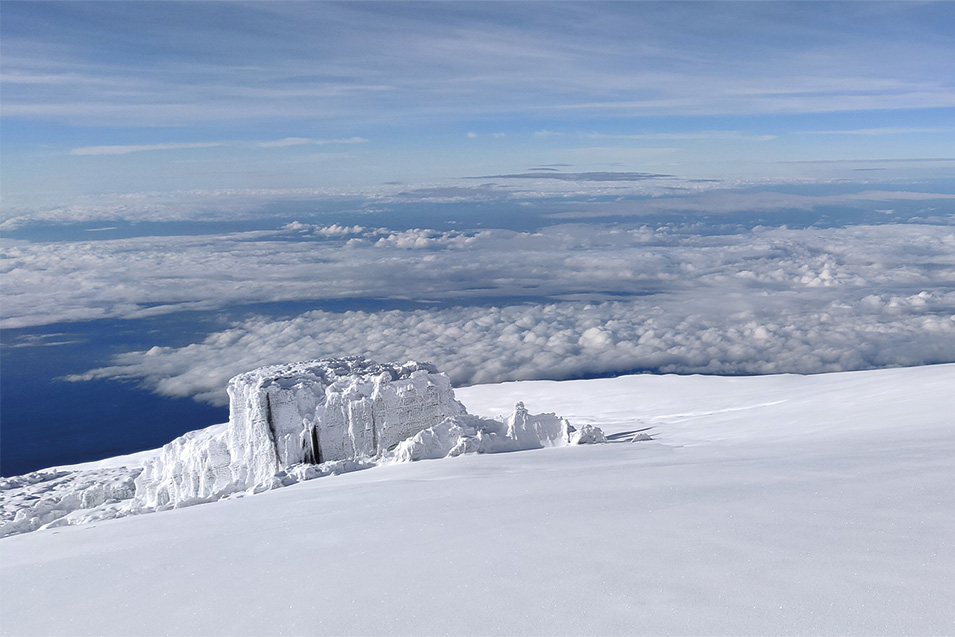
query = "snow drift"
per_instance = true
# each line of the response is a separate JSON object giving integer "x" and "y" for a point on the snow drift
{"x": 287, "y": 423}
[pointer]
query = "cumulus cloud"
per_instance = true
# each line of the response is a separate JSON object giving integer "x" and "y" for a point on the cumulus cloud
{"x": 584, "y": 299}
{"x": 565, "y": 340}
{"x": 146, "y": 276}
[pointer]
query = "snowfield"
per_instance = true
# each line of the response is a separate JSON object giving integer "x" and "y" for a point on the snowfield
{"x": 750, "y": 505}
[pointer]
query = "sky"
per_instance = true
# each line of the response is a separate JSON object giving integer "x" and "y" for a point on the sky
{"x": 120, "y": 97}
{"x": 509, "y": 190}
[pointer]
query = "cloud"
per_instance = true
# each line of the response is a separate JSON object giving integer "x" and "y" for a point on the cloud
{"x": 278, "y": 143}
{"x": 725, "y": 201}
{"x": 562, "y": 301}
{"x": 589, "y": 176}
{"x": 697, "y": 135}
{"x": 810, "y": 102}
{"x": 193, "y": 205}
{"x": 236, "y": 204}
{"x": 888, "y": 160}
{"x": 870, "y": 132}
{"x": 568, "y": 340}
{"x": 301, "y": 141}
{"x": 128, "y": 278}
{"x": 124, "y": 150}
{"x": 406, "y": 64}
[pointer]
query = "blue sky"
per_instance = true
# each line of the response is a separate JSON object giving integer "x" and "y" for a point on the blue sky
{"x": 140, "y": 96}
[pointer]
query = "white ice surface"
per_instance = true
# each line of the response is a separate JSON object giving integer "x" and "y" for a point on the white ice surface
{"x": 520, "y": 431}
{"x": 762, "y": 505}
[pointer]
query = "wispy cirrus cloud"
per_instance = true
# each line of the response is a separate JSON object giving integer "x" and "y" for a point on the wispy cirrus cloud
{"x": 139, "y": 148}
{"x": 874, "y": 132}
{"x": 883, "y": 160}
{"x": 304, "y": 141}
{"x": 276, "y": 143}
{"x": 728, "y": 135}
{"x": 401, "y": 73}
{"x": 409, "y": 62}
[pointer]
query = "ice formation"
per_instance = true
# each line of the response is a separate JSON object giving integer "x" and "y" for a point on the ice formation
{"x": 472, "y": 434}
{"x": 287, "y": 423}
{"x": 284, "y": 415}
{"x": 50, "y": 497}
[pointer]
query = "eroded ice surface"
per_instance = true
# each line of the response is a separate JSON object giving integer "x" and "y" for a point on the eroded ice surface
{"x": 468, "y": 433}
{"x": 53, "y": 497}
{"x": 287, "y": 423}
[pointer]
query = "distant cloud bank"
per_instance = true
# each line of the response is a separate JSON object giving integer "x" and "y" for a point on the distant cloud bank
{"x": 584, "y": 299}
{"x": 571, "y": 340}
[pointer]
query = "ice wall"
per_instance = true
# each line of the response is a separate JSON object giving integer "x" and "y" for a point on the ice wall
{"x": 284, "y": 415}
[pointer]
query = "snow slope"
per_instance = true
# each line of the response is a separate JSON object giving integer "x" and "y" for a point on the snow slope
{"x": 759, "y": 505}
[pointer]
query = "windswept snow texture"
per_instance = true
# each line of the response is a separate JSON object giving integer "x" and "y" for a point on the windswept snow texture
{"x": 288, "y": 423}
{"x": 768, "y": 505}
{"x": 56, "y": 497}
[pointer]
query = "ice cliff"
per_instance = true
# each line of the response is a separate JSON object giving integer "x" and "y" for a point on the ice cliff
{"x": 287, "y": 423}
{"x": 284, "y": 415}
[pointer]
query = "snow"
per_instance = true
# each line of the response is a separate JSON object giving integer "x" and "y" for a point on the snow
{"x": 521, "y": 431}
{"x": 332, "y": 409}
{"x": 759, "y": 505}
{"x": 49, "y": 497}
{"x": 287, "y": 423}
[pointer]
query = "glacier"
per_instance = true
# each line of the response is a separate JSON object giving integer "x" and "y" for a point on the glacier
{"x": 287, "y": 423}
{"x": 762, "y": 505}
{"x": 300, "y": 413}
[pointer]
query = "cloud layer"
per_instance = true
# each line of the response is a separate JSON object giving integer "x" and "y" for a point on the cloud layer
{"x": 784, "y": 333}
{"x": 568, "y": 300}
{"x": 146, "y": 276}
